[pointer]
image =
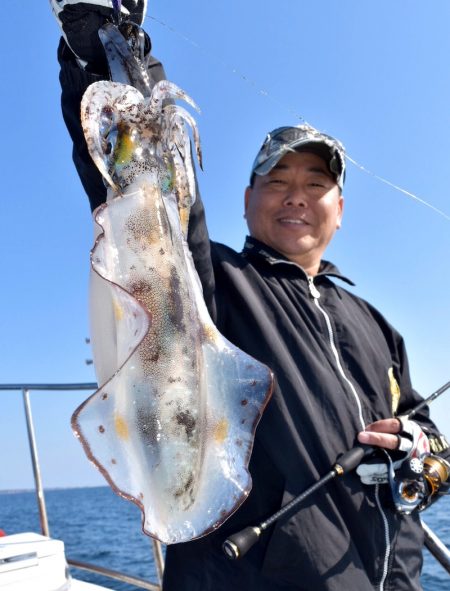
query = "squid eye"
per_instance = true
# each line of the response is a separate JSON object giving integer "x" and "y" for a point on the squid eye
{"x": 107, "y": 121}
{"x": 108, "y": 130}
{"x": 109, "y": 142}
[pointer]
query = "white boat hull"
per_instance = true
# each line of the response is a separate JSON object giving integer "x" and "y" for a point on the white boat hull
{"x": 32, "y": 562}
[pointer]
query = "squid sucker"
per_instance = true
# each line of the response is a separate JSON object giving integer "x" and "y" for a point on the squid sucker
{"x": 171, "y": 426}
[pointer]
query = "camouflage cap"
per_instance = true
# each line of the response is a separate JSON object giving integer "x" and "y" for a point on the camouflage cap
{"x": 302, "y": 138}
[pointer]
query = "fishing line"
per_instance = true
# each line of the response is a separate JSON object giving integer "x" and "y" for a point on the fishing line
{"x": 232, "y": 69}
{"x": 289, "y": 109}
{"x": 398, "y": 188}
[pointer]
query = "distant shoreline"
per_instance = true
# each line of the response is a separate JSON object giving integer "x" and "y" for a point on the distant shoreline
{"x": 51, "y": 488}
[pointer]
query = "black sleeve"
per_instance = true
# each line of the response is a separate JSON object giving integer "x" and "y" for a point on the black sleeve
{"x": 200, "y": 247}
{"x": 74, "y": 81}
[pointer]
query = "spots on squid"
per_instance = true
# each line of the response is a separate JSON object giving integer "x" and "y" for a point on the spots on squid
{"x": 173, "y": 380}
{"x": 221, "y": 431}
{"x": 140, "y": 289}
{"x": 148, "y": 425}
{"x": 238, "y": 442}
{"x": 185, "y": 488}
{"x": 162, "y": 251}
{"x": 118, "y": 310}
{"x": 149, "y": 353}
{"x": 188, "y": 421}
{"x": 104, "y": 395}
{"x": 244, "y": 402}
{"x": 176, "y": 308}
{"x": 101, "y": 429}
{"x": 210, "y": 333}
{"x": 107, "y": 110}
{"x": 121, "y": 427}
{"x": 150, "y": 348}
{"x": 142, "y": 229}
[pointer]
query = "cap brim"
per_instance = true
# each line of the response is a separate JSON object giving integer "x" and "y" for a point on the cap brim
{"x": 306, "y": 145}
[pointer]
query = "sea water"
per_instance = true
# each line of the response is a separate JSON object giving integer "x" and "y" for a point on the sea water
{"x": 99, "y": 527}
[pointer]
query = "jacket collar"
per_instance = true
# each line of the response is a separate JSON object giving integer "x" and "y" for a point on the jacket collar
{"x": 255, "y": 247}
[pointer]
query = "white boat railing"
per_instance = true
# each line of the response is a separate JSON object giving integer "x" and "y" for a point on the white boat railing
{"x": 39, "y": 489}
{"x": 432, "y": 542}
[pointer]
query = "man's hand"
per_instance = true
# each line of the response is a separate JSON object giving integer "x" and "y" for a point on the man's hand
{"x": 399, "y": 434}
{"x": 384, "y": 433}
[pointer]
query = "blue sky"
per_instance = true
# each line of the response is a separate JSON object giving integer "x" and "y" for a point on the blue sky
{"x": 374, "y": 75}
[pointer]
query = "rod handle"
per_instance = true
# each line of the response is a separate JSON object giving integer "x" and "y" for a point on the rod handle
{"x": 349, "y": 460}
{"x": 240, "y": 543}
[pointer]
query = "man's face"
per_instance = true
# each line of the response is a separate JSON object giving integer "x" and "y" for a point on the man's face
{"x": 296, "y": 208}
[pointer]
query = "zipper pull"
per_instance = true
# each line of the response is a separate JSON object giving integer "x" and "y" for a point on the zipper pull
{"x": 315, "y": 293}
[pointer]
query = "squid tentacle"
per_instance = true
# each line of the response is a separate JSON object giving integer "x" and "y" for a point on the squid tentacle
{"x": 171, "y": 110}
{"x": 165, "y": 90}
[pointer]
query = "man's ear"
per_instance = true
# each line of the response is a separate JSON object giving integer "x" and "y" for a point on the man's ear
{"x": 248, "y": 192}
{"x": 340, "y": 212}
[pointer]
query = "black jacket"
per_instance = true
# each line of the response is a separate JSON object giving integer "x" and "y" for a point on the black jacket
{"x": 337, "y": 541}
{"x": 336, "y": 362}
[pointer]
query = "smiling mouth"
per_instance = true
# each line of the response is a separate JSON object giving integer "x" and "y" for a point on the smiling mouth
{"x": 293, "y": 221}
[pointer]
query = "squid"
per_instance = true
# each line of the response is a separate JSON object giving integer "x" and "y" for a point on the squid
{"x": 171, "y": 426}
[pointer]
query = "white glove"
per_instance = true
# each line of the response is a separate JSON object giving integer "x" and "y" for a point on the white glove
{"x": 376, "y": 473}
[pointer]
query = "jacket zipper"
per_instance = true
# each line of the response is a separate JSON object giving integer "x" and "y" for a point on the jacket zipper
{"x": 315, "y": 294}
{"x": 387, "y": 553}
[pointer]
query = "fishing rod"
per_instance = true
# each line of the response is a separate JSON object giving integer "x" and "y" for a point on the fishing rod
{"x": 238, "y": 544}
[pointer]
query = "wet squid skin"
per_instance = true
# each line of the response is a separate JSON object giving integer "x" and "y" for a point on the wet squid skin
{"x": 172, "y": 424}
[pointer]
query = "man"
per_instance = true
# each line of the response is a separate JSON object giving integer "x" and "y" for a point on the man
{"x": 341, "y": 370}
